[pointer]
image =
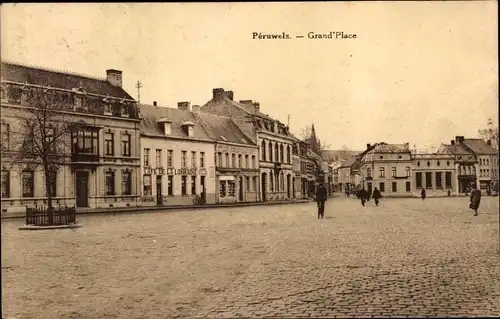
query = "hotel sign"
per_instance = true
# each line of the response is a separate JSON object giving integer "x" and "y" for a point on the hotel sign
{"x": 174, "y": 171}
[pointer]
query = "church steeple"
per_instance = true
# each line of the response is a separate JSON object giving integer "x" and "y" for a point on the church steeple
{"x": 314, "y": 143}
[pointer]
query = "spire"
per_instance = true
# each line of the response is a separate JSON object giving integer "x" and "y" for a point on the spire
{"x": 314, "y": 143}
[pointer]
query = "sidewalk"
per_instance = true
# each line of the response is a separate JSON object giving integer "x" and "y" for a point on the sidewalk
{"x": 95, "y": 211}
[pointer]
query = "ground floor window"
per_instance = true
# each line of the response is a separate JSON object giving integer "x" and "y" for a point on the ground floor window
{"x": 231, "y": 188}
{"x": 127, "y": 183}
{"x": 27, "y": 180}
{"x": 147, "y": 185}
{"x": 382, "y": 187}
{"x": 5, "y": 184}
{"x": 447, "y": 178}
{"x": 418, "y": 177}
{"x": 428, "y": 179}
{"x": 439, "y": 181}
{"x": 222, "y": 189}
{"x": 183, "y": 185}
{"x": 254, "y": 182}
{"x": 248, "y": 184}
{"x": 110, "y": 183}
{"x": 394, "y": 186}
{"x": 193, "y": 185}
{"x": 408, "y": 186}
{"x": 53, "y": 183}
{"x": 170, "y": 185}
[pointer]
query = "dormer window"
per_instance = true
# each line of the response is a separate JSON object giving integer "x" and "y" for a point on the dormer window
{"x": 166, "y": 125}
{"x": 188, "y": 128}
{"x": 125, "y": 112}
{"x": 108, "y": 109}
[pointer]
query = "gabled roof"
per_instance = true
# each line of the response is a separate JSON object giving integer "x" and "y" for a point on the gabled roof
{"x": 348, "y": 162}
{"x": 223, "y": 129}
{"x": 480, "y": 146}
{"x": 248, "y": 108}
{"x": 58, "y": 79}
{"x": 457, "y": 149}
{"x": 150, "y": 114}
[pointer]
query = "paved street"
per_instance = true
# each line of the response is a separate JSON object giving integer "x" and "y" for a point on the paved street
{"x": 404, "y": 258}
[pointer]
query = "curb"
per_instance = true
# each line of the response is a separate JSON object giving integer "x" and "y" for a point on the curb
{"x": 31, "y": 227}
{"x": 139, "y": 210}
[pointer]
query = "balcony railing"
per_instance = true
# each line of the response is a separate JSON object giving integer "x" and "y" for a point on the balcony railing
{"x": 84, "y": 158}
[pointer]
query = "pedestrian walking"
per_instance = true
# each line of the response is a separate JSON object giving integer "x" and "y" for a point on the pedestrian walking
{"x": 376, "y": 196}
{"x": 363, "y": 195}
{"x": 321, "y": 197}
{"x": 422, "y": 194}
{"x": 475, "y": 200}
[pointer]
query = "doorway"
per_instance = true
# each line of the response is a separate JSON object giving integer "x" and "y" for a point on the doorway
{"x": 241, "y": 190}
{"x": 369, "y": 188}
{"x": 159, "y": 194}
{"x": 288, "y": 188}
{"x": 82, "y": 189}
{"x": 293, "y": 187}
{"x": 264, "y": 186}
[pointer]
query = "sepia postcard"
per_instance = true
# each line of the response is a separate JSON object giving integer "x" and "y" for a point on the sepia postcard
{"x": 250, "y": 160}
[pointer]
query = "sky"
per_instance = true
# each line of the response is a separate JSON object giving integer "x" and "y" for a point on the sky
{"x": 417, "y": 72}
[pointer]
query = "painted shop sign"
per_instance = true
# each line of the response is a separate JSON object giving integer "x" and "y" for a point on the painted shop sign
{"x": 224, "y": 148}
{"x": 174, "y": 171}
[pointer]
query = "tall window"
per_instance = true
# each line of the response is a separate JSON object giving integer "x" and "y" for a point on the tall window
{"x": 184, "y": 159}
{"x": 394, "y": 187}
{"x": 202, "y": 159}
{"x": 184, "y": 185}
{"x": 5, "y": 136}
{"x": 146, "y": 157}
{"x": 270, "y": 148}
{"x": 219, "y": 159}
{"x": 428, "y": 179}
{"x": 158, "y": 158}
{"x": 382, "y": 187}
{"x": 222, "y": 189}
{"x": 288, "y": 155}
{"x": 254, "y": 165}
{"x": 239, "y": 161}
{"x": 233, "y": 160}
{"x": 407, "y": 170}
{"x": 226, "y": 164}
{"x": 170, "y": 185}
{"x": 282, "y": 158}
{"x": 254, "y": 182}
{"x": 393, "y": 173}
{"x": 447, "y": 179}
{"x": 263, "y": 150}
{"x": 5, "y": 184}
{"x": 127, "y": 183}
{"x": 147, "y": 185}
{"x": 193, "y": 159}
{"x": 53, "y": 183}
{"x": 381, "y": 172}
{"x": 85, "y": 141}
{"x": 230, "y": 188}
{"x": 170, "y": 158}
{"x": 27, "y": 180}
{"x": 277, "y": 185}
{"x": 439, "y": 181}
{"x": 276, "y": 153}
{"x": 369, "y": 172}
{"x": 110, "y": 183}
{"x": 247, "y": 163}
{"x": 109, "y": 144}
{"x": 193, "y": 185}
{"x": 126, "y": 145}
{"x": 248, "y": 183}
{"x": 271, "y": 182}
{"x": 418, "y": 177}
{"x": 408, "y": 186}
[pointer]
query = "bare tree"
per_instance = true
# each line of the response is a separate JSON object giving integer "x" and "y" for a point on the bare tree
{"x": 41, "y": 137}
{"x": 490, "y": 133}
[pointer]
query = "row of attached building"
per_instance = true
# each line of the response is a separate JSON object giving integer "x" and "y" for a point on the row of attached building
{"x": 127, "y": 154}
{"x": 396, "y": 170}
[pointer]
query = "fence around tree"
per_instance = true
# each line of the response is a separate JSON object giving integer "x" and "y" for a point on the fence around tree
{"x": 39, "y": 216}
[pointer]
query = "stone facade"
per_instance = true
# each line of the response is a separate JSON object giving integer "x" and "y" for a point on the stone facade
{"x": 435, "y": 173}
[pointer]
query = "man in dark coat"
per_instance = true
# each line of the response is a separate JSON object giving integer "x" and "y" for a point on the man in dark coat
{"x": 321, "y": 197}
{"x": 475, "y": 200}
{"x": 376, "y": 196}
{"x": 422, "y": 194}
{"x": 363, "y": 195}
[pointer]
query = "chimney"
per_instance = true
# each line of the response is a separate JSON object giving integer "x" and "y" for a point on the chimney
{"x": 246, "y": 101}
{"x": 489, "y": 142}
{"x": 230, "y": 95}
{"x": 218, "y": 94}
{"x": 452, "y": 142}
{"x": 183, "y": 105}
{"x": 114, "y": 77}
{"x": 368, "y": 146}
{"x": 459, "y": 139}
{"x": 196, "y": 109}
{"x": 256, "y": 105}
{"x": 155, "y": 103}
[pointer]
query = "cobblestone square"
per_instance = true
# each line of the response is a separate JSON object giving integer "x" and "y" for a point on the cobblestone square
{"x": 407, "y": 257}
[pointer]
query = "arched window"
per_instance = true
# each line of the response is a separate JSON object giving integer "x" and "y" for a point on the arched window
{"x": 276, "y": 153}
{"x": 288, "y": 154}
{"x": 407, "y": 169}
{"x": 263, "y": 150}
{"x": 282, "y": 158}
{"x": 270, "y": 159}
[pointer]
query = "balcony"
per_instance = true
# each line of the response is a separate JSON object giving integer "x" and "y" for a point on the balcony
{"x": 84, "y": 158}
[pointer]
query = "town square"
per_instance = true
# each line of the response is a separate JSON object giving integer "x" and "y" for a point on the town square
{"x": 161, "y": 161}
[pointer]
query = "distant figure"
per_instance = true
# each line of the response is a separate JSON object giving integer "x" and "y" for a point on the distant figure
{"x": 321, "y": 197}
{"x": 422, "y": 194}
{"x": 449, "y": 193}
{"x": 376, "y": 196}
{"x": 475, "y": 200}
{"x": 363, "y": 195}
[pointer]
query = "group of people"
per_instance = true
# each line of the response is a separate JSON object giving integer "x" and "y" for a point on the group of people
{"x": 364, "y": 196}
